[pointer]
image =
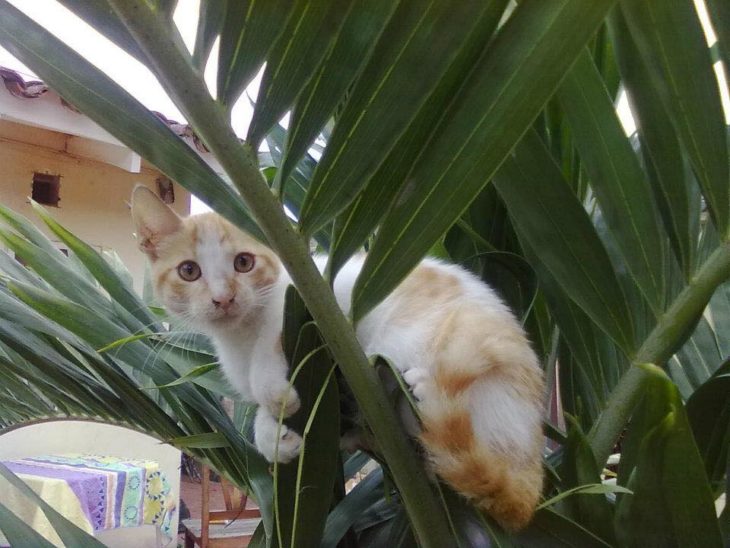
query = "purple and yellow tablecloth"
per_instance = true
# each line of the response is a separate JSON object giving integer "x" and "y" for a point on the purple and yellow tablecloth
{"x": 94, "y": 492}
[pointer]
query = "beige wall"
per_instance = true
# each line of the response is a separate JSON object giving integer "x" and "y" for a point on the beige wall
{"x": 94, "y": 195}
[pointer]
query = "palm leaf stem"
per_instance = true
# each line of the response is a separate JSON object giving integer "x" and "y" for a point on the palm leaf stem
{"x": 672, "y": 329}
{"x": 177, "y": 75}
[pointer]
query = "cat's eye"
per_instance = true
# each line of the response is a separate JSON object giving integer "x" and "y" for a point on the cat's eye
{"x": 189, "y": 271}
{"x": 244, "y": 262}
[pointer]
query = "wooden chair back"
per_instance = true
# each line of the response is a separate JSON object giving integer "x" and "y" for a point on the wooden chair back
{"x": 235, "y": 509}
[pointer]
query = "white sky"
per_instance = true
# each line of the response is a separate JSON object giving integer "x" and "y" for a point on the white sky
{"x": 140, "y": 82}
{"x": 121, "y": 67}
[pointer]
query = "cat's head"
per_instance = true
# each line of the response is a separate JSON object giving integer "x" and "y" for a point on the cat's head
{"x": 204, "y": 269}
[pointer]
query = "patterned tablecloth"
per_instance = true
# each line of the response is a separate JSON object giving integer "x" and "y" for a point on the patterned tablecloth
{"x": 94, "y": 492}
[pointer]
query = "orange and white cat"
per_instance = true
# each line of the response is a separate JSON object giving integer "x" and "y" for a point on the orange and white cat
{"x": 464, "y": 355}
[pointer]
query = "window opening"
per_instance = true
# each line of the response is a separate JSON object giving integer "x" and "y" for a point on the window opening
{"x": 47, "y": 189}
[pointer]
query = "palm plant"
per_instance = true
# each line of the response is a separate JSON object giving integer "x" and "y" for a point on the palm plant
{"x": 482, "y": 131}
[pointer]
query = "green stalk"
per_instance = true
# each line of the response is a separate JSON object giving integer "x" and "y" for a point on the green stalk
{"x": 676, "y": 324}
{"x": 184, "y": 84}
{"x": 615, "y": 415}
{"x": 672, "y": 329}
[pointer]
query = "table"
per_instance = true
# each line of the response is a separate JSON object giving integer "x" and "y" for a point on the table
{"x": 94, "y": 492}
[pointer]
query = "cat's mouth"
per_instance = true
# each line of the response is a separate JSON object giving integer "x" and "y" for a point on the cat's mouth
{"x": 222, "y": 318}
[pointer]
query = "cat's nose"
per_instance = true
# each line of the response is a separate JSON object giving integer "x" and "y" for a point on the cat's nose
{"x": 224, "y": 302}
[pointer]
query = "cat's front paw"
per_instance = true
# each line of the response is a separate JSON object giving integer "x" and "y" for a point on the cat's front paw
{"x": 281, "y": 396}
{"x": 278, "y": 443}
{"x": 417, "y": 379}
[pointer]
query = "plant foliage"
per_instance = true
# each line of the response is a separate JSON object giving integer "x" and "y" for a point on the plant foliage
{"x": 484, "y": 132}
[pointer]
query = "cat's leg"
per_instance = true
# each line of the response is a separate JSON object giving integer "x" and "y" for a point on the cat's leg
{"x": 275, "y": 442}
{"x": 239, "y": 379}
{"x": 270, "y": 384}
{"x": 236, "y": 366}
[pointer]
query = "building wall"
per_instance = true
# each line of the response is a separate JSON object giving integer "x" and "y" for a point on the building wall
{"x": 94, "y": 195}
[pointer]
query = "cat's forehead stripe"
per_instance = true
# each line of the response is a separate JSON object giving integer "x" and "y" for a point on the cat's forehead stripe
{"x": 194, "y": 233}
{"x": 207, "y": 233}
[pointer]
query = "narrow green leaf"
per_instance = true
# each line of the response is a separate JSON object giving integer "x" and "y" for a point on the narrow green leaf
{"x": 304, "y": 488}
{"x": 683, "y": 73}
{"x": 511, "y": 276}
{"x": 535, "y": 193}
{"x": 359, "y": 220}
{"x": 102, "y": 18}
{"x": 469, "y": 526}
{"x": 28, "y": 230}
{"x": 209, "y": 440}
{"x": 401, "y": 534}
{"x": 18, "y": 533}
{"x": 11, "y": 268}
{"x": 549, "y": 529}
{"x": 701, "y": 355}
{"x": 303, "y": 44}
{"x": 102, "y": 271}
{"x": 125, "y": 340}
{"x": 193, "y": 375}
{"x": 336, "y": 72}
{"x": 617, "y": 412}
{"x": 98, "y": 330}
{"x": 119, "y": 113}
{"x": 604, "y": 57}
{"x": 495, "y": 106}
{"x": 622, "y": 190}
{"x": 19, "y": 312}
{"x": 672, "y": 504}
{"x": 708, "y": 412}
{"x": 589, "y": 489}
{"x": 719, "y": 312}
{"x": 210, "y": 22}
{"x": 660, "y": 462}
{"x": 250, "y": 29}
{"x": 165, "y": 7}
{"x": 677, "y": 199}
{"x": 366, "y": 493}
{"x": 724, "y": 518}
{"x": 579, "y": 469}
{"x": 412, "y": 55}
{"x": 69, "y": 533}
{"x": 91, "y": 325}
{"x": 590, "y": 363}
{"x": 54, "y": 268}
{"x": 53, "y": 374}
{"x": 258, "y": 540}
{"x": 294, "y": 189}
{"x": 354, "y": 464}
{"x": 676, "y": 325}
{"x": 719, "y": 12}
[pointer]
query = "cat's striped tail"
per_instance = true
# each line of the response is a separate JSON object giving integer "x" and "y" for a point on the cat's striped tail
{"x": 482, "y": 427}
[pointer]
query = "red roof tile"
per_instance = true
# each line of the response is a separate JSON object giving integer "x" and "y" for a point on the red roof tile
{"x": 32, "y": 89}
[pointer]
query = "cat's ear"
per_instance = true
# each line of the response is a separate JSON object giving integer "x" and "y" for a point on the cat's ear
{"x": 153, "y": 219}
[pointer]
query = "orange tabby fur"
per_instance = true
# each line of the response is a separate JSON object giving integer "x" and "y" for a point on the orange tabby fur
{"x": 466, "y": 358}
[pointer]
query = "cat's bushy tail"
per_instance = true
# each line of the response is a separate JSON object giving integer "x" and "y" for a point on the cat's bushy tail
{"x": 482, "y": 425}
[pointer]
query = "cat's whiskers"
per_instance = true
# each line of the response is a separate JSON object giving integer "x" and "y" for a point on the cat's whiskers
{"x": 168, "y": 338}
{"x": 261, "y": 297}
